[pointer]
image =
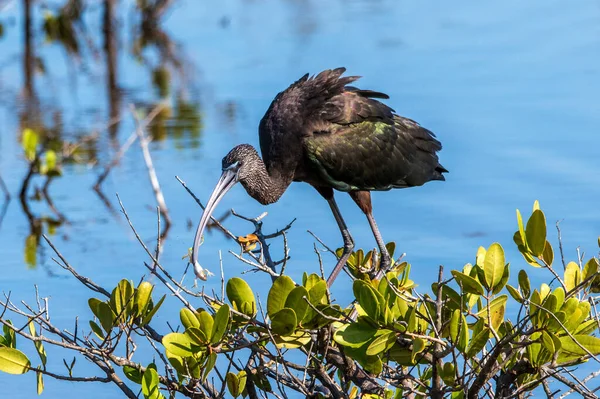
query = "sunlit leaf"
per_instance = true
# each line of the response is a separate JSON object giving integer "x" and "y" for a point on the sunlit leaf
{"x": 196, "y": 336}
{"x": 150, "y": 383}
{"x": 592, "y": 344}
{"x": 153, "y": 311}
{"x": 178, "y": 344}
{"x": 132, "y": 374}
{"x": 278, "y": 294}
{"x": 368, "y": 298}
{"x": 493, "y": 265}
{"x": 354, "y": 335}
{"x": 524, "y": 284}
{"x": 241, "y": 296}
{"x": 514, "y": 293}
{"x": 233, "y": 384}
{"x": 96, "y": 329}
{"x": 548, "y": 254}
{"x": 536, "y": 232}
{"x": 296, "y": 301}
{"x": 468, "y": 283}
{"x": 220, "y": 325}
{"x": 206, "y": 323}
{"x": 590, "y": 269}
{"x": 39, "y": 382}
{"x": 188, "y": 318}
{"x": 142, "y": 296}
{"x": 478, "y": 342}
{"x": 39, "y": 346}
{"x": 455, "y": 325}
{"x": 418, "y": 346}
{"x": 121, "y": 300}
{"x": 209, "y": 365}
{"x": 572, "y": 275}
{"x": 284, "y": 321}
{"x": 496, "y": 309}
{"x": 383, "y": 341}
{"x": 13, "y": 361}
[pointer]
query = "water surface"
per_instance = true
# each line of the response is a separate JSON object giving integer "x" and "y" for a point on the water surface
{"x": 510, "y": 88}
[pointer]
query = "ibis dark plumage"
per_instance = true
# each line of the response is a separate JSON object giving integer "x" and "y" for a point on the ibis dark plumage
{"x": 333, "y": 136}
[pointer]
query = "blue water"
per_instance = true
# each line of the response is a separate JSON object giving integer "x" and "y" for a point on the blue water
{"x": 510, "y": 88}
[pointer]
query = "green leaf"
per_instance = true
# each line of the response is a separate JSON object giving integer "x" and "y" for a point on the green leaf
{"x": 468, "y": 283}
{"x": 197, "y": 336}
{"x": 497, "y": 308}
{"x": 188, "y": 318}
{"x": 178, "y": 344}
{"x": 493, "y": 265}
{"x": 536, "y": 232}
{"x": 318, "y": 292}
{"x": 418, "y": 346}
{"x": 284, "y": 321}
{"x": 233, "y": 384}
{"x": 96, "y": 329}
{"x": 142, "y": 297}
{"x": 278, "y": 294}
{"x": 522, "y": 235}
{"x": 296, "y": 301}
{"x": 586, "y": 327}
{"x": 39, "y": 346}
{"x": 30, "y": 141}
{"x": 478, "y": 342}
{"x": 153, "y": 311}
{"x": 13, "y": 361}
{"x": 448, "y": 373}
{"x": 548, "y": 255}
{"x": 383, "y": 341}
{"x": 210, "y": 364}
{"x": 150, "y": 384}
{"x": 514, "y": 293}
{"x": 524, "y": 283}
{"x": 455, "y": 325}
{"x": 220, "y": 325}
{"x": 572, "y": 276}
{"x": 242, "y": 378}
{"x": 368, "y": 298}
{"x": 132, "y": 374}
{"x": 592, "y": 344}
{"x": 106, "y": 316}
{"x": 548, "y": 342}
{"x": 293, "y": 341}
{"x": 206, "y": 323}
{"x": 241, "y": 296}
{"x": 39, "y": 382}
{"x": 354, "y": 335}
{"x": 590, "y": 269}
{"x": 503, "y": 280}
{"x": 121, "y": 300}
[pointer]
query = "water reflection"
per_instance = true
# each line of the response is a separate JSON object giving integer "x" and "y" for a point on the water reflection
{"x": 43, "y": 112}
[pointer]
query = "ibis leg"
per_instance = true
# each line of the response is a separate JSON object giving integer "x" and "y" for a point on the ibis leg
{"x": 385, "y": 256}
{"x": 348, "y": 241}
{"x": 363, "y": 200}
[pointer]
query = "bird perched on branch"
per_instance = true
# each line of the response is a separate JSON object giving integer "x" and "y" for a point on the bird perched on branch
{"x": 332, "y": 136}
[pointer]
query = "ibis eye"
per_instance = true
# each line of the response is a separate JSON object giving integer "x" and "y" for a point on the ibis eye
{"x": 233, "y": 166}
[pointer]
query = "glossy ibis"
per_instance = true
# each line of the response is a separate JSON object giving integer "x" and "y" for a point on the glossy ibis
{"x": 332, "y": 136}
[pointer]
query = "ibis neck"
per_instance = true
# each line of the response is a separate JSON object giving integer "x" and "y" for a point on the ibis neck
{"x": 267, "y": 187}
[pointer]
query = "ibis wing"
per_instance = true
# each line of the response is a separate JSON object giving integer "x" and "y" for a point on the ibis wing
{"x": 375, "y": 155}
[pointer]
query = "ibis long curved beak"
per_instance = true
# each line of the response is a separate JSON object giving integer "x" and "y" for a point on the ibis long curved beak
{"x": 226, "y": 182}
